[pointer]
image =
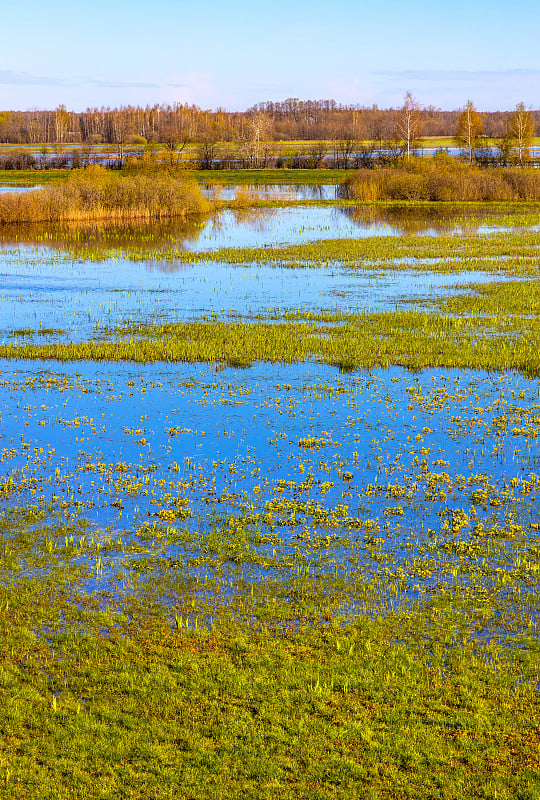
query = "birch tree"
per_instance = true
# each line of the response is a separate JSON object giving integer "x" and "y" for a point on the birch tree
{"x": 409, "y": 124}
{"x": 521, "y": 131}
{"x": 259, "y": 127}
{"x": 469, "y": 129}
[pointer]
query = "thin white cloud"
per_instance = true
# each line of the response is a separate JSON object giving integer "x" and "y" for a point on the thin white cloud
{"x": 108, "y": 84}
{"x": 10, "y": 77}
{"x": 458, "y": 74}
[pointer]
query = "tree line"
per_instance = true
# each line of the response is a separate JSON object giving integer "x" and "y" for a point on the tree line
{"x": 292, "y": 119}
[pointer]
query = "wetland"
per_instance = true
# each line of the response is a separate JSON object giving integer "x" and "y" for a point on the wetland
{"x": 269, "y": 500}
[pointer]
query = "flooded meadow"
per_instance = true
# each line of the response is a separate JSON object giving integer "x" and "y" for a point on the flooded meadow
{"x": 303, "y": 438}
{"x": 420, "y": 481}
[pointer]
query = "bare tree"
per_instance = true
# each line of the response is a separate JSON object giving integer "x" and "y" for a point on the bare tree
{"x": 61, "y": 123}
{"x": 409, "y": 124}
{"x": 344, "y": 149}
{"x": 521, "y": 131}
{"x": 469, "y": 129}
{"x": 258, "y": 128}
{"x": 174, "y": 141}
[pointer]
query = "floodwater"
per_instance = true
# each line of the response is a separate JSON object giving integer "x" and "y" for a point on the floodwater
{"x": 67, "y": 299}
{"x": 57, "y": 287}
{"x": 373, "y": 464}
{"x": 302, "y": 446}
{"x": 273, "y": 192}
{"x": 17, "y": 189}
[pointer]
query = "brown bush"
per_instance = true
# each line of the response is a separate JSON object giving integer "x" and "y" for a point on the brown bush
{"x": 98, "y": 194}
{"x": 443, "y": 178}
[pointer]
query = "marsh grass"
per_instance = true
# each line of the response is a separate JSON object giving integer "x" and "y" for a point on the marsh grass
{"x": 97, "y": 194}
{"x": 443, "y": 178}
{"x": 491, "y": 327}
{"x": 230, "y": 660}
{"x": 497, "y": 251}
{"x": 165, "y": 240}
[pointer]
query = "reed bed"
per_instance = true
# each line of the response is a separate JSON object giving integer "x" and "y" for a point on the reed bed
{"x": 97, "y": 194}
{"x": 446, "y": 179}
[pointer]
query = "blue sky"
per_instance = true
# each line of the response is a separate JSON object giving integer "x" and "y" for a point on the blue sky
{"x": 234, "y": 54}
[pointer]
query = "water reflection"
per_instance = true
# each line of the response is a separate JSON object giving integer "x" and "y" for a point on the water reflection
{"x": 98, "y": 240}
{"x": 403, "y": 220}
{"x": 17, "y": 189}
{"x": 245, "y": 227}
{"x": 44, "y": 291}
{"x": 272, "y": 192}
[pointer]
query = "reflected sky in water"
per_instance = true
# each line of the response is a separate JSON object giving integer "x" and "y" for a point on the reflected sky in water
{"x": 54, "y": 285}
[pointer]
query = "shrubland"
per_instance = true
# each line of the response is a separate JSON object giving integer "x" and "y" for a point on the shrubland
{"x": 443, "y": 178}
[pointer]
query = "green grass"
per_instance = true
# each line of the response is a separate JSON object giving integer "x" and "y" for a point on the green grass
{"x": 140, "y": 710}
{"x": 30, "y": 177}
{"x": 106, "y": 695}
{"x": 450, "y": 252}
{"x": 495, "y": 328}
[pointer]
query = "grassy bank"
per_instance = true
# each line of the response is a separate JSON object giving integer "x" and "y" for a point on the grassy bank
{"x": 31, "y": 177}
{"x": 98, "y": 194}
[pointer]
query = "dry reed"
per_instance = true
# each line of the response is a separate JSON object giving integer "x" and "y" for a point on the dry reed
{"x": 98, "y": 194}
{"x": 443, "y": 178}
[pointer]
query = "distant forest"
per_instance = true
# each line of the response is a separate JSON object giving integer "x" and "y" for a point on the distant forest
{"x": 288, "y": 120}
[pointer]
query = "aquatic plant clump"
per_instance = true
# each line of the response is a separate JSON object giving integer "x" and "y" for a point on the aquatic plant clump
{"x": 98, "y": 194}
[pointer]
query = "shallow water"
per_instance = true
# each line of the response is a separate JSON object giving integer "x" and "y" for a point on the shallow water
{"x": 271, "y": 192}
{"x": 271, "y": 227}
{"x": 300, "y": 225}
{"x": 379, "y": 469}
{"x": 41, "y": 291}
{"x": 17, "y": 189}
{"x": 48, "y": 288}
{"x": 383, "y": 456}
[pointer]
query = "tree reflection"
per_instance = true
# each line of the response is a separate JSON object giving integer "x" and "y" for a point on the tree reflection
{"x": 421, "y": 219}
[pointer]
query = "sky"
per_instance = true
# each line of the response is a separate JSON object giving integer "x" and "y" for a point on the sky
{"x": 238, "y": 53}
